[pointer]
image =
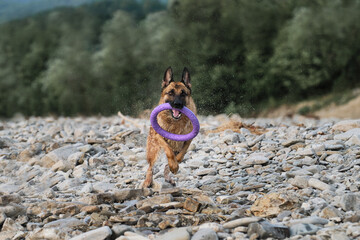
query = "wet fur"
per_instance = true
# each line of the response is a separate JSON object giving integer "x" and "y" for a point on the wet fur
{"x": 171, "y": 92}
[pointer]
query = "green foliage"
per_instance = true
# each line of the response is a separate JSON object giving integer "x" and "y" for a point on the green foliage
{"x": 243, "y": 55}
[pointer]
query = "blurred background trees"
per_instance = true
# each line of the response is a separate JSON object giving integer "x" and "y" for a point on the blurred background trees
{"x": 244, "y": 56}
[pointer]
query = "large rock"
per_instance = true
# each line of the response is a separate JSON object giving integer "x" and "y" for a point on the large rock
{"x": 96, "y": 234}
{"x": 346, "y": 125}
{"x": 175, "y": 234}
{"x": 274, "y": 203}
{"x": 350, "y": 202}
{"x": 256, "y": 159}
{"x": 264, "y": 229}
{"x": 130, "y": 194}
{"x": 348, "y": 134}
{"x": 241, "y": 222}
{"x": 205, "y": 234}
{"x": 66, "y": 223}
{"x": 60, "y": 154}
{"x": 304, "y": 229}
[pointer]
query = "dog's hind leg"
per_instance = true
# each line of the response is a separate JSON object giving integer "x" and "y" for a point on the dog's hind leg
{"x": 152, "y": 152}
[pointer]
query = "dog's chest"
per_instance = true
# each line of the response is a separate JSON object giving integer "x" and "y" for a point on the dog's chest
{"x": 181, "y": 126}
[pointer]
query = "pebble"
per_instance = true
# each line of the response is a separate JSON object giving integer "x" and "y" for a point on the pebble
{"x": 81, "y": 178}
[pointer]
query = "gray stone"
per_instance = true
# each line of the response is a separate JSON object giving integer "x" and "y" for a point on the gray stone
{"x": 348, "y": 134}
{"x": 214, "y": 226}
{"x": 96, "y": 234}
{"x": 300, "y": 181}
{"x": 62, "y": 165}
{"x": 241, "y": 222}
{"x": 11, "y": 226}
{"x": 303, "y": 229}
{"x": 205, "y": 171}
{"x": 76, "y": 158}
{"x": 130, "y": 194}
{"x": 7, "y": 235}
{"x": 120, "y": 229}
{"x": 195, "y": 163}
{"x": 256, "y": 159}
{"x": 103, "y": 186}
{"x": 80, "y": 171}
{"x": 156, "y": 200}
{"x": 87, "y": 188}
{"x": 11, "y": 198}
{"x": 13, "y": 210}
{"x": 346, "y": 125}
{"x": 309, "y": 220}
{"x": 290, "y": 142}
{"x": 230, "y": 137}
{"x": 350, "y": 202}
{"x": 339, "y": 236}
{"x": 67, "y": 184}
{"x": 335, "y": 158}
{"x": 353, "y": 141}
{"x": 2, "y": 217}
{"x": 330, "y": 212}
{"x": 175, "y": 234}
{"x": 48, "y": 234}
{"x": 205, "y": 234}
{"x": 58, "y": 155}
{"x": 66, "y": 222}
{"x": 316, "y": 183}
{"x": 264, "y": 229}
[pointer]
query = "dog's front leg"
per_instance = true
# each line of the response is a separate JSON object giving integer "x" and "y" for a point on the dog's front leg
{"x": 181, "y": 154}
{"x": 173, "y": 164}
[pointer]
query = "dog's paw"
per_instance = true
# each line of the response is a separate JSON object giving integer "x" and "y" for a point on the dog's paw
{"x": 174, "y": 167}
{"x": 146, "y": 184}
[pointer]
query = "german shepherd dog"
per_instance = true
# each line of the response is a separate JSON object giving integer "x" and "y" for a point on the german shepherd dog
{"x": 178, "y": 94}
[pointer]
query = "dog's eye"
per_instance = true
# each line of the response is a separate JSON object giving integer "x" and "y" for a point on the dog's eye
{"x": 183, "y": 94}
{"x": 171, "y": 93}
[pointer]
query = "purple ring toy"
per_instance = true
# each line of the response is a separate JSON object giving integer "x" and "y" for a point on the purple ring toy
{"x": 172, "y": 136}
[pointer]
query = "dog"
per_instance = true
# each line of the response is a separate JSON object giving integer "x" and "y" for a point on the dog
{"x": 178, "y": 95}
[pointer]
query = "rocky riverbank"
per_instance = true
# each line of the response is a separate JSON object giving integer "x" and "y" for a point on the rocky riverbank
{"x": 80, "y": 178}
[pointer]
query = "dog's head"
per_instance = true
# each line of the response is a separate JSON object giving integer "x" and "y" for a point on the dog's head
{"x": 178, "y": 94}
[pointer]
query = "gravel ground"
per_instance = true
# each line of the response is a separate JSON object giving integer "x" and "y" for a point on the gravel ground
{"x": 80, "y": 178}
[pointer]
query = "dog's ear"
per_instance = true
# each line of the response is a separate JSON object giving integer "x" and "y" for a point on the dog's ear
{"x": 168, "y": 77}
{"x": 186, "y": 78}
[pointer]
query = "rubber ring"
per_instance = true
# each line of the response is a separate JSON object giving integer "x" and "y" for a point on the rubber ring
{"x": 172, "y": 136}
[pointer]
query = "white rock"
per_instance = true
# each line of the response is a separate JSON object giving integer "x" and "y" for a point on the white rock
{"x": 335, "y": 158}
{"x": 316, "y": 183}
{"x": 96, "y": 234}
{"x": 175, "y": 234}
{"x": 256, "y": 159}
{"x": 346, "y": 125}
{"x": 205, "y": 234}
{"x": 241, "y": 222}
{"x": 348, "y": 134}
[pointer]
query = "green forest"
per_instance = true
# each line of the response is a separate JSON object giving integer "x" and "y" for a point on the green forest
{"x": 243, "y": 55}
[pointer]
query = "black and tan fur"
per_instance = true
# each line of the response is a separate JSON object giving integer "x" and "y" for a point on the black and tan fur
{"x": 178, "y": 94}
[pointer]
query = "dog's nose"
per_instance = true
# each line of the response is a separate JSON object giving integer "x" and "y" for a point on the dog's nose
{"x": 177, "y": 104}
